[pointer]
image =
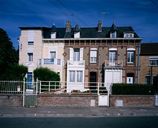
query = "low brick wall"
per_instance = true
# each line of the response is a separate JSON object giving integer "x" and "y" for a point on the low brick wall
{"x": 67, "y": 100}
{"x": 11, "y": 100}
{"x": 81, "y": 100}
{"x": 132, "y": 100}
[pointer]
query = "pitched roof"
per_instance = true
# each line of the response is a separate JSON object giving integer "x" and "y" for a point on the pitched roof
{"x": 85, "y": 32}
{"x": 149, "y": 49}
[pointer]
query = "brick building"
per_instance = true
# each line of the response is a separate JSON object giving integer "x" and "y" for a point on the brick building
{"x": 83, "y": 54}
{"x": 149, "y": 63}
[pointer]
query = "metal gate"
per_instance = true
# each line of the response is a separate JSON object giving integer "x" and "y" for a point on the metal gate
{"x": 30, "y": 90}
{"x": 104, "y": 97}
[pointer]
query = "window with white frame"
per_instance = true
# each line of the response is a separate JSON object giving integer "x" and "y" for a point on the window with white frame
{"x": 30, "y": 57}
{"x": 93, "y": 55}
{"x": 128, "y": 35}
{"x": 75, "y": 76}
{"x": 72, "y": 76}
{"x": 79, "y": 76}
{"x": 31, "y": 37}
{"x": 113, "y": 34}
{"x": 130, "y": 56}
{"x": 112, "y": 56}
{"x": 153, "y": 61}
{"x": 52, "y": 54}
{"x": 76, "y": 55}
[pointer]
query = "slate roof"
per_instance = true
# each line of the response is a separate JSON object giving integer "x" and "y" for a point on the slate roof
{"x": 85, "y": 32}
{"x": 149, "y": 49}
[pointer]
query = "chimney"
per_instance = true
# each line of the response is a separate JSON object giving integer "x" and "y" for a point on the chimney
{"x": 68, "y": 26}
{"x": 99, "y": 26}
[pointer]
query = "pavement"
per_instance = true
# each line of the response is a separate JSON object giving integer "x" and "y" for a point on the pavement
{"x": 77, "y": 111}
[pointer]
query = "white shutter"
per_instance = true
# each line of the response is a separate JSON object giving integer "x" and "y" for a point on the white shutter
{"x": 81, "y": 53}
{"x": 71, "y": 54}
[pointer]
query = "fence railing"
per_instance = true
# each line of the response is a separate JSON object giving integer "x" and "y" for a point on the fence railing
{"x": 11, "y": 87}
{"x": 53, "y": 87}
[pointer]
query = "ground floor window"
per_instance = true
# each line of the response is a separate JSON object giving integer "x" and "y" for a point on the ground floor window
{"x": 75, "y": 76}
{"x": 130, "y": 78}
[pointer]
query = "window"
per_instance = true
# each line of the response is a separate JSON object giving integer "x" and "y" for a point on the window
{"x": 128, "y": 35}
{"x": 112, "y": 57}
{"x": 75, "y": 76}
{"x": 72, "y": 76}
{"x": 93, "y": 55}
{"x": 79, "y": 76}
{"x": 148, "y": 79}
{"x": 30, "y": 42}
{"x": 76, "y": 56}
{"x": 52, "y": 54}
{"x": 130, "y": 57}
{"x": 113, "y": 35}
{"x": 153, "y": 60}
{"x": 53, "y": 35}
{"x": 30, "y": 57}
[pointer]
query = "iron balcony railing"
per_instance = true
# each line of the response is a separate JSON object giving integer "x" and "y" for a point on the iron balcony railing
{"x": 114, "y": 63}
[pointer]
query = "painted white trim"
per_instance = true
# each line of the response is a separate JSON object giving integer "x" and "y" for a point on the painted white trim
{"x": 112, "y": 49}
{"x": 131, "y": 49}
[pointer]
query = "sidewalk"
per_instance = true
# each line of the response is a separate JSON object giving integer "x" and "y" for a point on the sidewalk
{"x": 76, "y": 112}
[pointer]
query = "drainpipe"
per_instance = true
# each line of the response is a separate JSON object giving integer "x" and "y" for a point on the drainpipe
{"x": 138, "y": 63}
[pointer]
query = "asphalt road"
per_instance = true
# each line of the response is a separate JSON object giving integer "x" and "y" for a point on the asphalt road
{"x": 80, "y": 122}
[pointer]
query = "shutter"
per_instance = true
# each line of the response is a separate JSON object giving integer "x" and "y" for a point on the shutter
{"x": 81, "y": 53}
{"x": 71, "y": 54}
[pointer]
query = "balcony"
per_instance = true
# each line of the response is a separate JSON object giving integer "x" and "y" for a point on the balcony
{"x": 113, "y": 64}
{"x": 71, "y": 63}
{"x": 48, "y": 61}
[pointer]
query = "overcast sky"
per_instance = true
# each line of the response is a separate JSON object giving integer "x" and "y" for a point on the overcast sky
{"x": 142, "y": 15}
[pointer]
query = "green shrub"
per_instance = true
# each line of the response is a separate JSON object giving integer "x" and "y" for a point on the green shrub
{"x": 45, "y": 74}
{"x": 132, "y": 89}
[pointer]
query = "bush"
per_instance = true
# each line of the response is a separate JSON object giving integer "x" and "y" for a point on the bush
{"x": 45, "y": 74}
{"x": 132, "y": 89}
{"x": 14, "y": 72}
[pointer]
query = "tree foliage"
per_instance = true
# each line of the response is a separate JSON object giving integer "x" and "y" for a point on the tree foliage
{"x": 46, "y": 74}
{"x": 9, "y": 67}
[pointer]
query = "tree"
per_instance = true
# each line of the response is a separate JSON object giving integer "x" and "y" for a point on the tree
{"x": 46, "y": 74}
{"x": 8, "y": 54}
{"x": 15, "y": 72}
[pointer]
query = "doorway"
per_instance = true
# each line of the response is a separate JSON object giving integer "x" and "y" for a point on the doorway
{"x": 93, "y": 81}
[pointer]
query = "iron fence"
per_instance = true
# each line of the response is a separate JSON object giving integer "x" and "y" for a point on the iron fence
{"x": 53, "y": 87}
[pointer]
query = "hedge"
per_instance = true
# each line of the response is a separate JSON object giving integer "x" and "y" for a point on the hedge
{"x": 132, "y": 89}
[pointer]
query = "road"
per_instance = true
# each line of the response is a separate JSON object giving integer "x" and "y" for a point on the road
{"x": 80, "y": 122}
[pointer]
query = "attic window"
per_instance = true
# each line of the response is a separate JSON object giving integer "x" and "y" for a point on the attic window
{"x": 53, "y": 35}
{"x": 77, "y": 35}
{"x": 113, "y": 34}
{"x": 128, "y": 35}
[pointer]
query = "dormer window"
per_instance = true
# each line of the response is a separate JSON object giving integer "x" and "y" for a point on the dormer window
{"x": 113, "y": 34}
{"x": 53, "y": 35}
{"x": 77, "y": 35}
{"x": 129, "y": 35}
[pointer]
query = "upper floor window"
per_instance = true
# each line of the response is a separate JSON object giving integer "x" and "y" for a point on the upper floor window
{"x": 93, "y": 55}
{"x": 113, "y": 34}
{"x": 30, "y": 57}
{"x": 53, "y": 35}
{"x": 128, "y": 35}
{"x": 77, "y": 35}
{"x": 112, "y": 56}
{"x": 130, "y": 55}
{"x": 76, "y": 55}
{"x": 30, "y": 42}
{"x": 30, "y": 37}
{"x": 52, "y": 54}
{"x": 153, "y": 60}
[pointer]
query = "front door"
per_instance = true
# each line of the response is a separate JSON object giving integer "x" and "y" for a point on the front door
{"x": 93, "y": 81}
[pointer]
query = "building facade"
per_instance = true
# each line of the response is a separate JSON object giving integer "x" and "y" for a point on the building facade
{"x": 83, "y": 56}
{"x": 149, "y": 63}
